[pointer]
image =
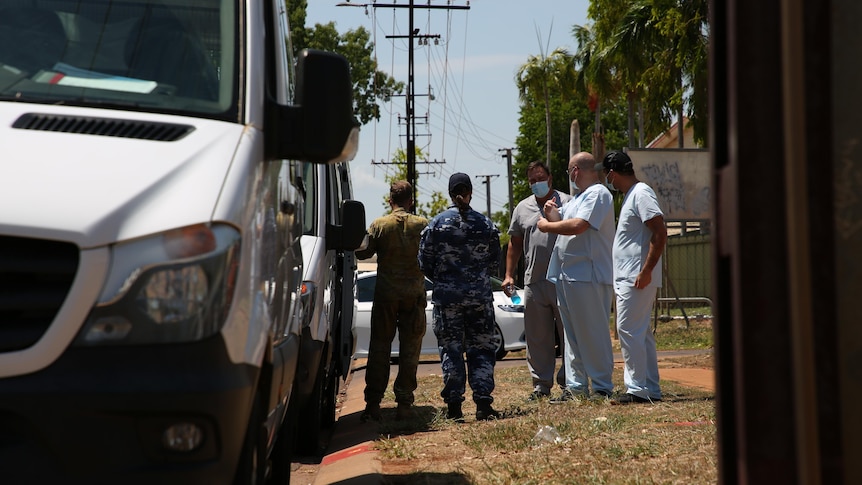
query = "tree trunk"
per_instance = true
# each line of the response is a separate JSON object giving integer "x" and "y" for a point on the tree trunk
{"x": 631, "y": 125}
{"x": 598, "y": 136}
{"x": 547, "y": 129}
{"x": 640, "y": 124}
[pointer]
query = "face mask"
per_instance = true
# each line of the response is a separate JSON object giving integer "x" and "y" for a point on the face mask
{"x": 608, "y": 184}
{"x": 540, "y": 189}
{"x": 574, "y": 187}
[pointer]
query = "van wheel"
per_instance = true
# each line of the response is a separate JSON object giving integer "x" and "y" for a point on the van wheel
{"x": 315, "y": 423}
{"x": 251, "y": 469}
{"x": 282, "y": 453}
{"x": 501, "y": 347}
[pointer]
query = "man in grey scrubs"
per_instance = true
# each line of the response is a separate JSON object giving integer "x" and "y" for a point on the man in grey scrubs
{"x": 542, "y": 320}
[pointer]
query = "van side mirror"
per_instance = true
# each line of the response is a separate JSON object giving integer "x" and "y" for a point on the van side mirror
{"x": 349, "y": 235}
{"x": 319, "y": 126}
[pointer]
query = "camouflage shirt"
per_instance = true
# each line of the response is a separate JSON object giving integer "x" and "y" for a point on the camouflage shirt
{"x": 459, "y": 252}
{"x": 395, "y": 239}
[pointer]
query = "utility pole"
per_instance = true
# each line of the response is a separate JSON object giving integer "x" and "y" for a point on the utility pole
{"x": 487, "y": 182}
{"x": 412, "y": 33}
{"x": 508, "y": 156}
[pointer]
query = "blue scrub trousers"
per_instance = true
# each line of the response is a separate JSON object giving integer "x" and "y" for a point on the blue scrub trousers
{"x": 637, "y": 341}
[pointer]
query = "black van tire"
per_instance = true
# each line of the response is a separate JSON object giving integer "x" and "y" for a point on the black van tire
{"x": 251, "y": 469}
{"x": 315, "y": 423}
{"x": 282, "y": 453}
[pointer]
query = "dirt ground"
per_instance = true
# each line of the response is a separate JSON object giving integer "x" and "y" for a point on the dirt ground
{"x": 691, "y": 368}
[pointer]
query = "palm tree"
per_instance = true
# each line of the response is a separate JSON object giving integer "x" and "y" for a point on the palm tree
{"x": 537, "y": 78}
{"x": 654, "y": 52}
{"x": 661, "y": 49}
{"x": 595, "y": 76}
{"x": 632, "y": 46}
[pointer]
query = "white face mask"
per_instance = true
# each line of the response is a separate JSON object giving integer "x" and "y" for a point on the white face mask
{"x": 573, "y": 186}
{"x": 540, "y": 189}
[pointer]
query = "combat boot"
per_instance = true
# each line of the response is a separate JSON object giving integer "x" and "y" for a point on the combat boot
{"x": 454, "y": 412}
{"x": 404, "y": 411}
{"x": 484, "y": 411}
{"x": 372, "y": 412}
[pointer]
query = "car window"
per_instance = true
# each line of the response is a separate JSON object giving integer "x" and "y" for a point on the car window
{"x": 365, "y": 288}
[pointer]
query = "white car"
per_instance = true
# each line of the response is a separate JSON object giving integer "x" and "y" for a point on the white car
{"x": 509, "y": 317}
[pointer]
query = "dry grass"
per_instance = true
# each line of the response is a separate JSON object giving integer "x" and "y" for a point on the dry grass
{"x": 673, "y": 441}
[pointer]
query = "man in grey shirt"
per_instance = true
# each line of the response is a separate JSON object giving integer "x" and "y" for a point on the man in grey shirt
{"x": 542, "y": 320}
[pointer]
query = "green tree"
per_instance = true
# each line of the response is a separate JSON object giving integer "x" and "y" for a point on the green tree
{"x": 370, "y": 85}
{"x": 502, "y": 219}
{"x": 594, "y": 78}
{"x": 539, "y": 77}
{"x": 655, "y": 53}
{"x": 530, "y": 143}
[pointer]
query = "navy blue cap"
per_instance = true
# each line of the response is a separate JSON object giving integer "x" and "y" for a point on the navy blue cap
{"x": 460, "y": 178}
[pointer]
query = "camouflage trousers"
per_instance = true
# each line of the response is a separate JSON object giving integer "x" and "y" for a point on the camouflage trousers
{"x": 408, "y": 317}
{"x": 466, "y": 328}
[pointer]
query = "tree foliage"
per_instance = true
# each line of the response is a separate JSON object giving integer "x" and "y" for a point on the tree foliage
{"x": 531, "y": 144}
{"x": 542, "y": 75}
{"x": 370, "y": 85}
{"x": 652, "y": 52}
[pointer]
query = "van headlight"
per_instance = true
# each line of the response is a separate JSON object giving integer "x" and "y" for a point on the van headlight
{"x": 172, "y": 287}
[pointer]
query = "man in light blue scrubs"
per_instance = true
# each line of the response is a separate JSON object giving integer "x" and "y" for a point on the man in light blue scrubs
{"x": 639, "y": 242}
{"x": 582, "y": 270}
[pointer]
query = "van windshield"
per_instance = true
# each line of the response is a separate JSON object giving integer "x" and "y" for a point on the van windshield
{"x": 157, "y": 55}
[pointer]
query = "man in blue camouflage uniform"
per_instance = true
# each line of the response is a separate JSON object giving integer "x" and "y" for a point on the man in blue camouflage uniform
{"x": 459, "y": 250}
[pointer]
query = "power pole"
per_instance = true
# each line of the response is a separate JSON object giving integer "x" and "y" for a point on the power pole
{"x": 410, "y": 119}
{"x": 487, "y": 182}
{"x": 508, "y": 157}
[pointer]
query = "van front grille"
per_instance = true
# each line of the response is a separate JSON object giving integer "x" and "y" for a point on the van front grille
{"x": 35, "y": 278}
{"x": 86, "y": 125}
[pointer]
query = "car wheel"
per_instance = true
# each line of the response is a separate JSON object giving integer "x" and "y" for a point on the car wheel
{"x": 501, "y": 347}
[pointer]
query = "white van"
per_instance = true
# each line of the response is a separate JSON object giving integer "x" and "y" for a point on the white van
{"x": 329, "y": 275}
{"x": 150, "y": 316}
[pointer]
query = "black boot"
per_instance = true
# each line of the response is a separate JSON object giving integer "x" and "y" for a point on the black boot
{"x": 372, "y": 412}
{"x": 454, "y": 412}
{"x": 484, "y": 411}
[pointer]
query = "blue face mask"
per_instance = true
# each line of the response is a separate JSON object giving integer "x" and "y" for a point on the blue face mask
{"x": 540, "y": 189}
{"x": 609, "y": 185}
{"x": 574, "y": 187}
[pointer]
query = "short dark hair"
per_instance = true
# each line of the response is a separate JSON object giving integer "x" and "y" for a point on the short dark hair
{"x": 538, "y": 164}
{"x": 401, "y": 193}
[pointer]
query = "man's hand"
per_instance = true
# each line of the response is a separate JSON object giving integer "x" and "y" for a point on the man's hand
{"x": 643, "y": 279}
{"x": 542, "y": 224}
{"x": 508, "y": 282}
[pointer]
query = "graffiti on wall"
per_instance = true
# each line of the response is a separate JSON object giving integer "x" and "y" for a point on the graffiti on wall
{"x": 680, "y": 179}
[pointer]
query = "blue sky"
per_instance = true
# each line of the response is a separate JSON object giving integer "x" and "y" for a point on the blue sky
{"x": 474, "y": 113}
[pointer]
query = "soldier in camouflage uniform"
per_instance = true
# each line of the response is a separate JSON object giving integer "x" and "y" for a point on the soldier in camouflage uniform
{"x": 459, "y": 250}
{"x": 399, "y": 302}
